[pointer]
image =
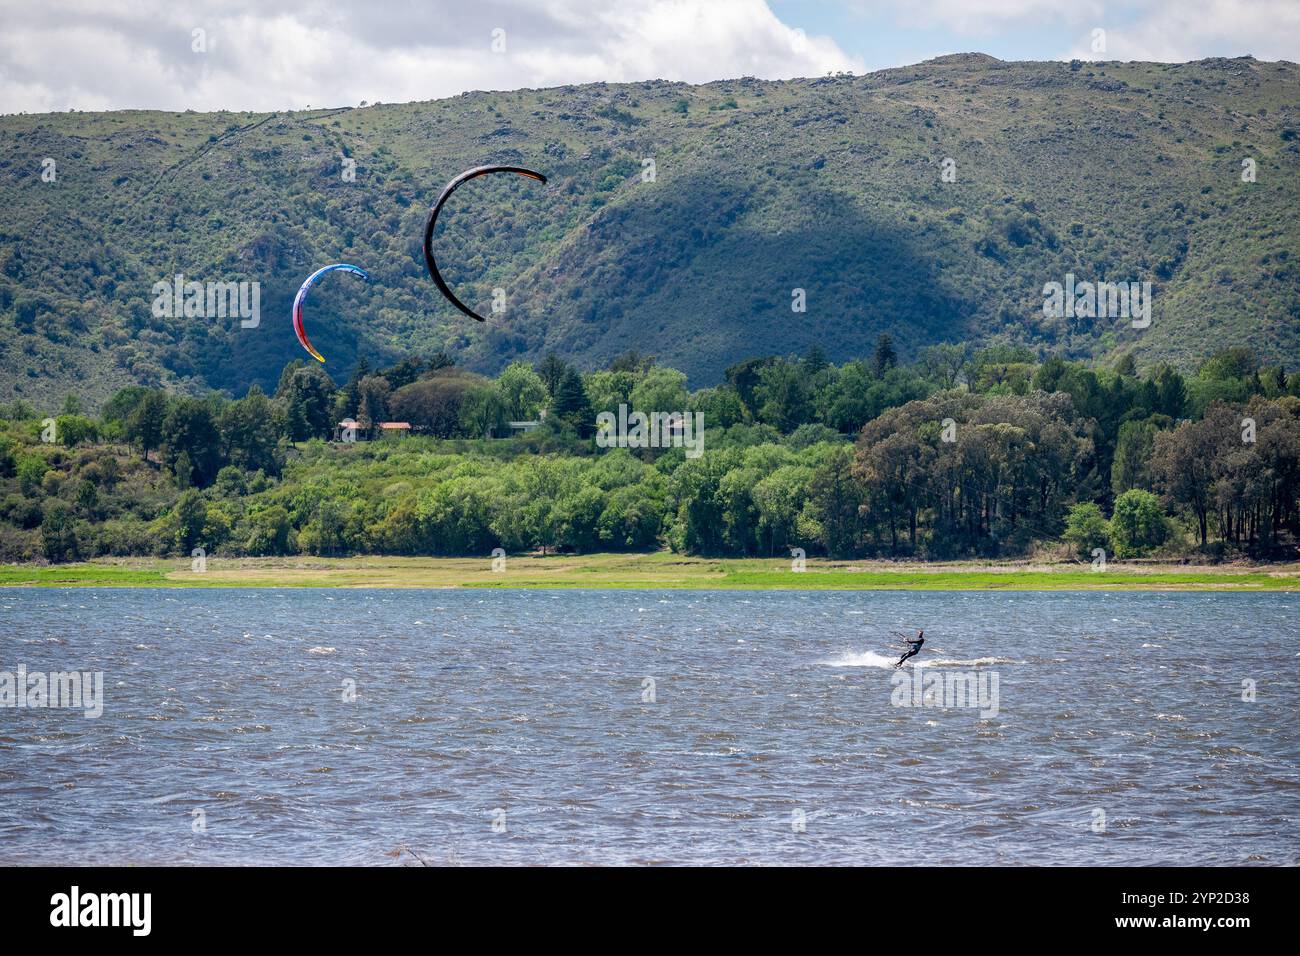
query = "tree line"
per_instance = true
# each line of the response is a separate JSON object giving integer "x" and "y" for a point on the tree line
{"x": 963, "y": 452}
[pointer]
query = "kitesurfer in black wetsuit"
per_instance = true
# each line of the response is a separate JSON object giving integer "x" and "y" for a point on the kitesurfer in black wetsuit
{"x": 916, "y": 647}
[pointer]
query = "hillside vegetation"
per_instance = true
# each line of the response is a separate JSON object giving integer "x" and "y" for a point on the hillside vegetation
{"x": 1109, "y": 171}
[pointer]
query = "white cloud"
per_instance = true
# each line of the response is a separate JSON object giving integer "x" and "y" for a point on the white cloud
{"x": 985, "y": 17}
{"x": 1171, "y": 32}
{"x": 293, "y": 53}
{"x": 1161, "y": 30}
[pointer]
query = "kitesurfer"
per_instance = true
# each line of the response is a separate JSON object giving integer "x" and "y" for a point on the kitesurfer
{"x": 916, "y": 647}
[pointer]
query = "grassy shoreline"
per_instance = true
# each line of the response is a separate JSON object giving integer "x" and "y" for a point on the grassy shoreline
{"x": 657, "y": 570}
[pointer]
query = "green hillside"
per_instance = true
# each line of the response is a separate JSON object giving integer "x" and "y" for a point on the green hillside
{"x": 1110, "y": 171}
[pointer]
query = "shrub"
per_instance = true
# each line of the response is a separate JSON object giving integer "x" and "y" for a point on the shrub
{"x": 1138, "y": 525}
{"x": 1086, "y": 529}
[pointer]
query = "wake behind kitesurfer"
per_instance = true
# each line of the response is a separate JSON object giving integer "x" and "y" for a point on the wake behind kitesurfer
{"x": 916, "y": 647}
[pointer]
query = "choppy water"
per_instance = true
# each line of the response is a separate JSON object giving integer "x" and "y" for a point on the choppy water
{"x": 766, "y": 705}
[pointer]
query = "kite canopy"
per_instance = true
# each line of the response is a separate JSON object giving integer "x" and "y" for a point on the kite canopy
{"x": 301, "y": 297}
{"x": 450, "y": 188}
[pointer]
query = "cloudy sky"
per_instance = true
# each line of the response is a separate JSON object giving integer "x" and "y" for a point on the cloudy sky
{"x": 287, "y": 54}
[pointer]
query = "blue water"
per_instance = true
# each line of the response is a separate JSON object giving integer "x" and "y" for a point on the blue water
{"x": 516, "y": 727}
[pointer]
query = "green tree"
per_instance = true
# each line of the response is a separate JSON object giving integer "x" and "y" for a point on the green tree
{"x": 433, "y": 404}
{"x": 945, "y": 363}
{"x": 570, "y": 405}
{"x": 1132, "y": 452}
{"x": 836, "y": 501}
{"x": 326, "y": 532}
{"x": 251, "y": 429}
{"x": 552, "y": 371}
{"x": 1052, "y": 375}
{"x": 782, "y": 394}
{"x": 269, "y": 531}
{"x": 735, "y": 502}
{"x": 1086, "y": 529}
{"x": 632, "y": 517}
{"x": 632, "y": 361}
{"x": 1171, "y": 392}
{"x": 398, "y": 532}
{"x": 743, "y": 377}
{"x": 145, "y": 421}
{"x": 698, "y": 523}
{"x": 884, "y": 357}
{"x": 74, "y": 430}
{"x": 845, "y": 402}
{"x": 577, "y": 518}
{"x": 31, "y": 473}
{"x": 483, "y": 411}
{"x": 190, "y": 429}
{"x": 608, "y": 390}
{"x": 780, "y": 499}
{"x": 1182, "y": 464}
{"x": 522, "y": 390}
{"x": 456, "y": 517}
{"x": 307, "y": 394}
{"x": 58, "y": 534}
{"x": 721, "y": 406}
{"x": 1235, "y": 363}
{"x": 119, "y": 407}
{"x": 404, "y": 372}
{"x": 349, "y": 404}
{"x": 814, "y": 360}
{"x": 1138, "y": 525}
{"x": 373, "y": 403}
{"x": 87, "y": 499}
{"x": 191, "y": 518}
{"x": 661, "y": 389}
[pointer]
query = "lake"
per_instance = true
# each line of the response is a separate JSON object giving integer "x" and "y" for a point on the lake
{"x": 314, "y": 726}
